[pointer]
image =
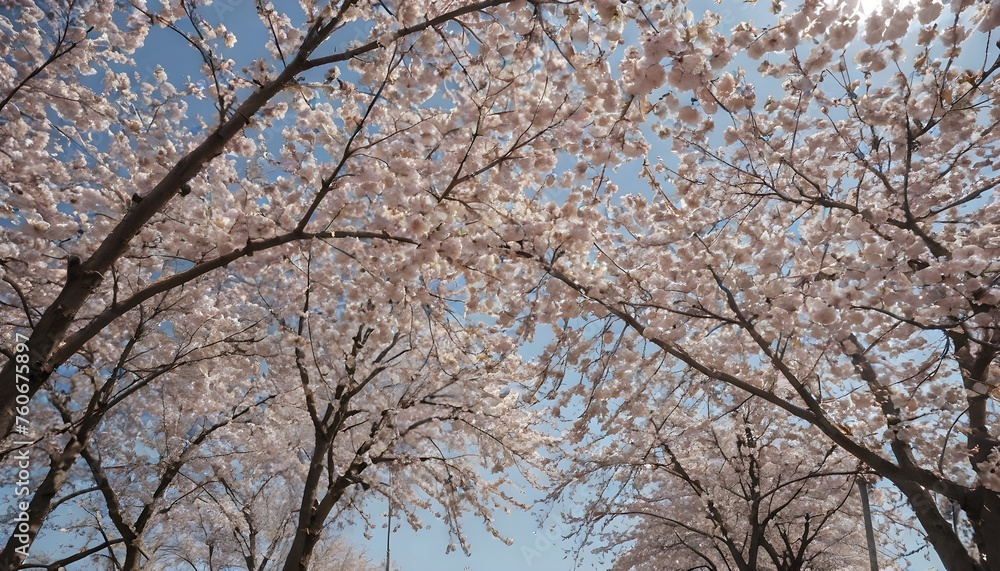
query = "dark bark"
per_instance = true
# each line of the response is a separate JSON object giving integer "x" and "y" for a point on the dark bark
{"x": 983, "y": 510}
{"x": 942, "y": 537}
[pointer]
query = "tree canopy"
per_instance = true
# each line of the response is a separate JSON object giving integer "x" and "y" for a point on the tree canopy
{"x": 264, "y": 261}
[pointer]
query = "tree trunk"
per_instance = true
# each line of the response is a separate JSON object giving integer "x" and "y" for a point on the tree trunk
{"x": 983, "y": 510}
{"x": 133, "y": 558}
{"x": 301, "y": 551}
{"x": 940, "y": 534}
{"x": 982, "y": 505}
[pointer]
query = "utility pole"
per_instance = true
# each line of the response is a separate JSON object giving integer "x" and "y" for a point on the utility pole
{"x": 869, "y": 530}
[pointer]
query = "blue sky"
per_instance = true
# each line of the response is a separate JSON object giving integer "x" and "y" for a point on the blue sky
{"x": 533, "y": 547}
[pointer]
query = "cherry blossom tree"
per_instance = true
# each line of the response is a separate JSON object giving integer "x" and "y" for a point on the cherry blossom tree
{"x": 823, "y": 242}
{"x": 399, "y": 392}
{"x": 695, "y": 482}
{"x": 155, "y": 368}
{"x": 394, "y": 399}
{"x": 161, "y": 222}
{"x": 409, "y": 135}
